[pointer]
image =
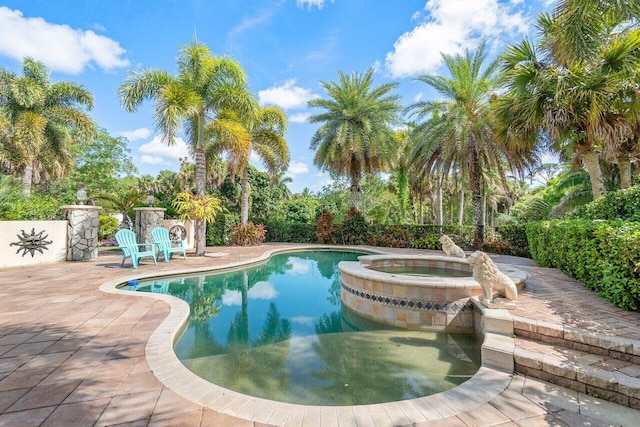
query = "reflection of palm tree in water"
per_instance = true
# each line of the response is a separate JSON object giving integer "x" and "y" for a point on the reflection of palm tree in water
{"x": 260, "y": 362}
{"x": 244, "y": 365}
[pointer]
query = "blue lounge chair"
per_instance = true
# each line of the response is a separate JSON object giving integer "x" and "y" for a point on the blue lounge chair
{"x": 131, "y": 249}
{"x": 166, "y": 246}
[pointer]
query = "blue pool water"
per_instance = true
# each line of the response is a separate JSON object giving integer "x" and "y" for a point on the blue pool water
{"x": 278, "y": 331}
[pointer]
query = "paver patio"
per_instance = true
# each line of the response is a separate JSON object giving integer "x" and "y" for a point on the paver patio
{"x": 73, "y": 355}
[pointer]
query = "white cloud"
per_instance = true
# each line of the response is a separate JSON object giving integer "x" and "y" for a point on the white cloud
{"x": 157, "y": 148}
{"x": 262, "y": 290}
{"x": 299, "y": 267}
{"x": 418, "y": 97}
{"x": 450, "y": 26}
{"x": 303, "y": 320}
{"x": 135, "y": 135}
{"x": 59, "y": 47}
{"x": 299, "y": 118}
{"x": 296, "y": 168}
{"x": 286, "y": 96}
{"x": 231, "y": 297}
{"x": 153, "y": 160}
{"x": 310, "y": 3}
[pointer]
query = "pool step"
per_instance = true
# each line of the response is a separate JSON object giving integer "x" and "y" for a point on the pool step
{"x": 592, "y": 342}
{"x": 598, "y": 375}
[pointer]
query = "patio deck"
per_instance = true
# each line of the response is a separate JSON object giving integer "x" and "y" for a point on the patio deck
{"x": 73, "y": 355}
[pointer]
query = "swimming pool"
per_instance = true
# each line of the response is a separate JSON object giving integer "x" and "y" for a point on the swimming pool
{"x": 278, "y": 331}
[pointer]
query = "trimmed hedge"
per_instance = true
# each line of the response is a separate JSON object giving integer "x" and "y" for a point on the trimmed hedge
{"x": 602, "y": 255}
{"x": 615, "y": 205}
{"x": 280, "y": 231}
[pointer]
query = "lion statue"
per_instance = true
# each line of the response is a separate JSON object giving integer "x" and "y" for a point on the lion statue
{"x": 450, "y": 248}
{"x": 494, "y": 283}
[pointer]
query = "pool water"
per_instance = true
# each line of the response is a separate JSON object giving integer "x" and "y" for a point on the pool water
{"x": 423, "y": 271}
{"x": 278, "y": 331}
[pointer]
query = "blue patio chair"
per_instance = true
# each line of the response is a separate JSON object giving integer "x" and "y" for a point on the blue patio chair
{"x": 166, "y": 246}
{"x": 131, "y": 249}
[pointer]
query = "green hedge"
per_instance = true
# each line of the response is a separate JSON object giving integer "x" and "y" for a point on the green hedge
{"x": 602, "y": 255}
{"x": 280, "y": 231}
{"x": 615, "y": 205}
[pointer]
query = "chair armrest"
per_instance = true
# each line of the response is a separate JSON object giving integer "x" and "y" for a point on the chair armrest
{"x": 146, "y": 244}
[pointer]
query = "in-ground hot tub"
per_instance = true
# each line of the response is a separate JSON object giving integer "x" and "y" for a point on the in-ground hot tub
{"x": 415, "y": 291}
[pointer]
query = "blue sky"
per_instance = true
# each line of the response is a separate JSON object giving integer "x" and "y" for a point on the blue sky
{"x": 286, "y": 47}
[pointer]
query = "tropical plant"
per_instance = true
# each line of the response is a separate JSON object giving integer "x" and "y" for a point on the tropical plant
{"x": 265, "y": 127}
{"x": 122, "y": 201}
{"x": 457, "y": 132}
{"x": 247, "y": 234}
{"x": 573, "y": 90}
{"x": 356, "y": 137}
{"x": 205, "y": 85}
{"x": 197, "y": 208}
{"x": 42, "y": 120}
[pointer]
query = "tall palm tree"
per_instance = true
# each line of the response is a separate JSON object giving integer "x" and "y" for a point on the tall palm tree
{"x": 264, "y": 128}
{"x": 586, "y": 104}
{"x": 356, "y": 136}
{"x": 458, "y": 130}
{"x": 41, "y": 121}
{"x": 267, "y": 127}
{"x": 204, "y": 86}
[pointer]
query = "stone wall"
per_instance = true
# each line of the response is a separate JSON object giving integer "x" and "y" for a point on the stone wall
{"x": 83, "y": 231}
{"x": 146, "y": 220}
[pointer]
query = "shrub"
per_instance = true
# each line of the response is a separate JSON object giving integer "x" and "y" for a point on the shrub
{"x": 36, "y": 207}
{"x": 393, "y": 236}
{"x": 282, "y": 231}
{"x": 430, "y": 241}
{"x": 621, "y": 204}
{"x": 602, "y": 255}
{"x": 354, "y": 230}
{"x": 107, "y": 226}
{"x": 219, "y": 231}
{"x": 247, "y": 234}
{"x": 509, "y": 240}
{"x": 326, "y": 228}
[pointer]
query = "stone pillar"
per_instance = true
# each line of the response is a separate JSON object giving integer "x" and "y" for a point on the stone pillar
{"x": 146, "y": 220}
{"x": 83, "y": 231}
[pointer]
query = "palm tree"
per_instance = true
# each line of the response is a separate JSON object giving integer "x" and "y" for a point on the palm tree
{"x": 356, "y": 137}
{"x": 458, "y": 131}
{"x": 266, "y": 127}
{"x": 204, "y": 86}
{"x": 586, "y": 104}
{"x": 41, "y": 121}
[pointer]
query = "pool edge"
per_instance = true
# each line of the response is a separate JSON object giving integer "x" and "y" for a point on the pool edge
{"x": 490, "y": 380}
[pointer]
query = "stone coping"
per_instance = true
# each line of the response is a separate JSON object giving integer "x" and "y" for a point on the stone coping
{"x": 360, "y": 269}
{"x": 484, "y": 386}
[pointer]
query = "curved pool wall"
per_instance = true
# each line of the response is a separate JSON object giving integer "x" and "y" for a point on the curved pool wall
{"x": 490, "y": 381}
{"x": 410, "y": 301}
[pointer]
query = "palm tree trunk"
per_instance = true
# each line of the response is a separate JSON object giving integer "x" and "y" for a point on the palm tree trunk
{"x": 355, "y": 194}
{"x": 475, "y": 182}
{"x": 461, "y": 213}
{"x": 439, "y": 202}
{"x": 200, "y": 226}
{"x": 624, "y": 166}
{"x": 244, "y": 196}
{"x": 421, "y": 208}
{"x": 27, "y": 178}
{"x": 592, "y": 163}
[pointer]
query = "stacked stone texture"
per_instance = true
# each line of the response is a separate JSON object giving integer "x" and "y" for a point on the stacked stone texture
{"x": 84, "y": 224}
{"x": 146, "y": 220}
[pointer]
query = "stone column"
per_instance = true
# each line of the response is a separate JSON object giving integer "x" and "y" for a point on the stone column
{"x": 146, "y": 220}
{"x": 83, "y": 231}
